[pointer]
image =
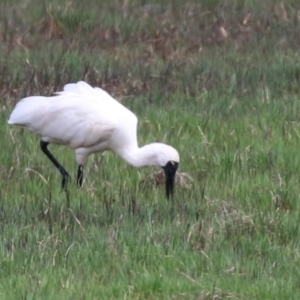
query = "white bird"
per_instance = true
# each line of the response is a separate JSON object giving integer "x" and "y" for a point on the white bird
{"x": 89, "y": 120}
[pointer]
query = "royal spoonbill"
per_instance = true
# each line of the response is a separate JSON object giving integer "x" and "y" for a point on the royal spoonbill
{"x": 89, "y": 120}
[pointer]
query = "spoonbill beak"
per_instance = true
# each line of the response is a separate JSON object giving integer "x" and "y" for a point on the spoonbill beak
{"x": 170, "y": 171}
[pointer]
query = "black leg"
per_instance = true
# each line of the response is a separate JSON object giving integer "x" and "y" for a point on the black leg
{"x": 80, "y": 175}
{"x": 61, "y": 169}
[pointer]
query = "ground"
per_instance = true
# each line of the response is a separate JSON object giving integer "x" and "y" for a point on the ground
{"x": 218, "y": 80}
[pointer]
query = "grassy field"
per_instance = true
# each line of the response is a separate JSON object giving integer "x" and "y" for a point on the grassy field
{"x": 218, "y": 80}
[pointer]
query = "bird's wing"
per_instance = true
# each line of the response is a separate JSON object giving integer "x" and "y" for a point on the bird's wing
{"x": 70, "y": 88}
{"x": 88, "y": 93}
{"x": 61, "y": 120}
{"x": 80, "y": 88}
{"x": 80, "y": 124}
{"x": 25, "y": 110}
{"x": 79, "y": 116}
{"x": 126, "y": 120}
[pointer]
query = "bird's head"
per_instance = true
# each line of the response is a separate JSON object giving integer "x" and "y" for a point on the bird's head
{"x": 170, "y": 172}
{"x": 166, "y": 157}
{"x": 156, "y": 154}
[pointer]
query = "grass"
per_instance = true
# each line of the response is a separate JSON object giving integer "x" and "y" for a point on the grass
{"x": 219, "y": 80}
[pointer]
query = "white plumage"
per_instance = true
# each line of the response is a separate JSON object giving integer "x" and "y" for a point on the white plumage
{"x": 89, "y": 120}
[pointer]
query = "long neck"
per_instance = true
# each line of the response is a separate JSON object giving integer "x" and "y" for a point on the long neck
{"x": 139, "y": 157}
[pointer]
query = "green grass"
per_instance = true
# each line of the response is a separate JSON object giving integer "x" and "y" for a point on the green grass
{"x": 218, "y": 80}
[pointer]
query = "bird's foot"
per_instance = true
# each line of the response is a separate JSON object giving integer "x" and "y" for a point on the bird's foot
{"x": 66, "y": 178}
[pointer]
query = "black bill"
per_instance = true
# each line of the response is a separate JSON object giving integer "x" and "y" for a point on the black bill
{"x": 170, "y": 171}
